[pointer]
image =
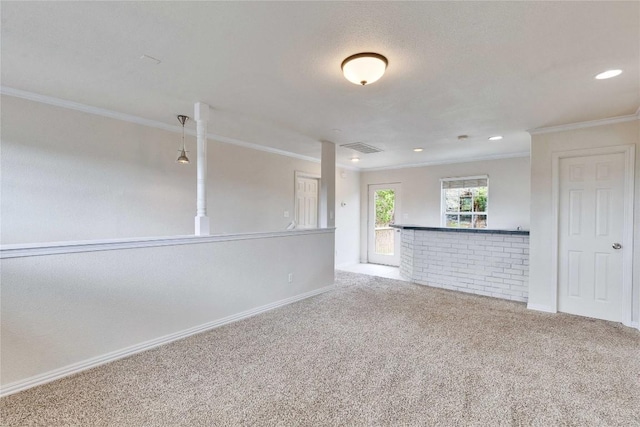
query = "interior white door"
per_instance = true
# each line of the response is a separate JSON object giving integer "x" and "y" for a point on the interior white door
{"x": 384, "y": 209}
{"x": 306, "y": 202}
{"x": 590, "y": 234}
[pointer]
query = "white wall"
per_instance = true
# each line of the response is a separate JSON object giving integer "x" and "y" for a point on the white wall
{"x": 69, "y": 175}
{"x": 249, "y": 190}
{"x": 347, "y": 216}
{"x": 66, "y": 309}
{"x": 541, "y": 289}
{"x": 75, "y": 176}
{"x": 508, "y": 205}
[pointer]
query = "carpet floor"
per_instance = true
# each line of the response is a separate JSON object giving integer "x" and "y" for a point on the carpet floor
{"x": 373, "y": 352}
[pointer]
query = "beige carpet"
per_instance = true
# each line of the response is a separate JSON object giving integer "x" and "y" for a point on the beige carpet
{"x": 373, "y": 352}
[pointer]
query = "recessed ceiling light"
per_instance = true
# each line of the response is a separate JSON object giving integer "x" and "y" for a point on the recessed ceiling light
{"x": 364, "y": 68}
{"x": 417, "y": 150}
{"x": 463, "y": 137}
{"x": 355, "y": 159}
{"x": 495, "y": 138}
{"x": 608, "y": 74}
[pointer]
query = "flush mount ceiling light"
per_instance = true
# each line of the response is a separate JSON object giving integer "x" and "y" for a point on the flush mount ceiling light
{"x": 495, "y": 138}
{"x": 182, "y": 158}
{"x": 608, "y": 74}
{"x": 417, "y": 150}
{"x": 355, "y": 159}
{"x": 364, "y": 68}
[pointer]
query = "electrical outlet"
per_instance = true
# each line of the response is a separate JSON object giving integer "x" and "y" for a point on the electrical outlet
{"x": 286, "y": 214}
{"x": 290, "y": 277}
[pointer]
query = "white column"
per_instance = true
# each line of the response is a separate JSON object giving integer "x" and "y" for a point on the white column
{"x": 328, "y": 185}
{"x": 201, "y": 116}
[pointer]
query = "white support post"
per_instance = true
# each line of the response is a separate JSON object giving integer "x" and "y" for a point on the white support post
{"x": 328, "y": 185}
{"x": 201, "y": 116}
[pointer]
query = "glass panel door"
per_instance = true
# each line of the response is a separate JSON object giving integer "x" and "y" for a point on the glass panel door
{"x": 385, "y": 201}
{"x": 384, "y": 240}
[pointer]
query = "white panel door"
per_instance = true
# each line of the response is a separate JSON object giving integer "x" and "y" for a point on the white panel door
{"x": 306, "y": 202}
{"x": 590, "y": 228}
{"x": 384, "y": 209}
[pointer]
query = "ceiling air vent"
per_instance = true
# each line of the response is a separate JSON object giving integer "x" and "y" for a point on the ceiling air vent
{"x": 363, "y": 148}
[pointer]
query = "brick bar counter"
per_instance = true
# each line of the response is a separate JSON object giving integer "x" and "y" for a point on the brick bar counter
{"x": 479, "y": 261}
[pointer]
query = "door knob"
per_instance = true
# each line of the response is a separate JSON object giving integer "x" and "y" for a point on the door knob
{"x": 616, "y": 246}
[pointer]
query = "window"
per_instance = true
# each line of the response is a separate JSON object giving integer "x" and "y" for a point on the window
{"x": 464, "y": 202}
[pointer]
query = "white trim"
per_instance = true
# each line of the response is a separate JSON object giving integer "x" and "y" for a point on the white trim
{"x": 147, "y": 345}
{"x": 450, "y": 162}
{"x": 460, "y": 178}
{"x": 71, "y": 105}
{"x": 302, "y": 174}
{"x": 252, "y": 146}
{"x": 588, "y": 124}
{"x": 627, "y": 239}
{"x": 55, "y": 248}
{"x": 541, "y": 307}
{"x": 63, "y": 103}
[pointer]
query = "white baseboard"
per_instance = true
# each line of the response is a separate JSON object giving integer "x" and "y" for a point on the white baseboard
{"x": 147, "y": 345}
{"x": 547, "y": 309}
{"x": 541, "y": 307}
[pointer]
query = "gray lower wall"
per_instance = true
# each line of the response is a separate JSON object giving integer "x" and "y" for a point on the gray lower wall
{"x": 61, "y": 310}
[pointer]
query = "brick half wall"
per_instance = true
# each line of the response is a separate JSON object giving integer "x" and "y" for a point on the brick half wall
{"x": 490, "y": 264}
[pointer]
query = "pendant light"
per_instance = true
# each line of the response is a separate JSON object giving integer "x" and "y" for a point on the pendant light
{"x": 183, "y": 153}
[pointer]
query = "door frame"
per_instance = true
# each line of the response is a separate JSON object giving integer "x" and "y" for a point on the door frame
{"x": 309, "y": 175}
{"x": 628, "y": 229}
{"x": 371, "y": 216}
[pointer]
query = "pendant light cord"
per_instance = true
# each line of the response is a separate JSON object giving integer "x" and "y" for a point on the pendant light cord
{"x": 183, "y": 119}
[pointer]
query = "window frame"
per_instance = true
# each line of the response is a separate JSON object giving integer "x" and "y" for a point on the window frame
{"x": 443, "y": 201}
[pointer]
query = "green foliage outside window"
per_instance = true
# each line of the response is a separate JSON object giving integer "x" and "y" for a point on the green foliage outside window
{"x": 385, "y": 205}
{"x": 480, "y": 202}
{"x": 466, "y": 207}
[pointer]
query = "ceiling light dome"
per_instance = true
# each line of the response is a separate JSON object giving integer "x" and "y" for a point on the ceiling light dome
{"x": 364, "y": 68}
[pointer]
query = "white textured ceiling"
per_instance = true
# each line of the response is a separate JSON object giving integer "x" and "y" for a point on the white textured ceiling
{"x": 271, "y": 70}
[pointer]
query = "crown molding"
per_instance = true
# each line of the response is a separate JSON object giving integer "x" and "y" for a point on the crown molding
{"x": 449, "y": 162}
{"x": 588, "y": 124}
{"x": 71, "y": 105}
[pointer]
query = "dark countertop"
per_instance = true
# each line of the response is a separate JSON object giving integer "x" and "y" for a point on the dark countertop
{"x": 460, "y": 230}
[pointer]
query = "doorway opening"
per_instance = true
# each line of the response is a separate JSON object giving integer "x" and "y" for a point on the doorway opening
{"x": 384, "y": 209}
{"x": 306, "y": 194}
